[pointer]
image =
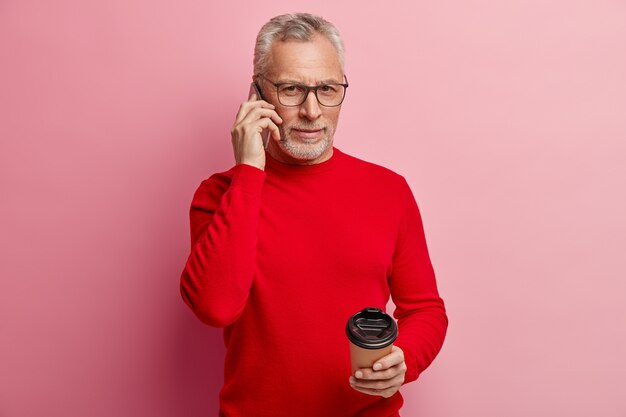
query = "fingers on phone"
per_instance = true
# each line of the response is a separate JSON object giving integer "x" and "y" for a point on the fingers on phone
{"x": 272, "y": 125}
{"x": 258, "y": 114}
{"x": 262, "y": 103}
{"x": 274, "y": 131}
{"x": 261, "y": 114}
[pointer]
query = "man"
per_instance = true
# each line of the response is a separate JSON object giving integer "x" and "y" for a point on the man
{"x": 298, "y": 236}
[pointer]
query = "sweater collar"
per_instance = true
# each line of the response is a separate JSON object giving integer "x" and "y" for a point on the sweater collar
{"x": 273, "y": 164}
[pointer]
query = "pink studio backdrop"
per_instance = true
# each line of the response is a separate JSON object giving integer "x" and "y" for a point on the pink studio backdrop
{"x": 508, "y": 118}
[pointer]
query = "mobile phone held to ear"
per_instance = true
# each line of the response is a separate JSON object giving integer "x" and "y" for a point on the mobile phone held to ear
{"x": 265, "y": 133}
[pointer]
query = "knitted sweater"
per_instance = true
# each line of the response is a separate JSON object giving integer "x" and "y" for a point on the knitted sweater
{"x": 282, "y": 258}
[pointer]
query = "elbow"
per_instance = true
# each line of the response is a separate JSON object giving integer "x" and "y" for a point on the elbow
{"x": 216, "y": 317}
{"x": 440, "y": 320}
{"x": 444, "y": 318}
{"x": 212, "y": 312}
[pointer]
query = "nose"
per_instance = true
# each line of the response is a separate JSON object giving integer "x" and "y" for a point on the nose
{"x": 310, "y": 109}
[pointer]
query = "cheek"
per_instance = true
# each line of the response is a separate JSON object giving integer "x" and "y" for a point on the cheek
{"x": 288, "y": 116}
{"x": 333, "y": 117}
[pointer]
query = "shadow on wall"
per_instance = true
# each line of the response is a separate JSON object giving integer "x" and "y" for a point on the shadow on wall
{"x": 195, "y": 350}
{"x": 198, "y": 352}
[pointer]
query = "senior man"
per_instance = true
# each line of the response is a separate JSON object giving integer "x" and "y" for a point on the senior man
{"x": 298, "y": 236}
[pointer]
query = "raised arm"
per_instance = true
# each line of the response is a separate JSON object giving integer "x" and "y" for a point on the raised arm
{"x": 224, "y": 218}
{"x": 219, "y": 270}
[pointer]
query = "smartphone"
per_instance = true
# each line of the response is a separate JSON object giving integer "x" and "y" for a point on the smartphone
{"x": 265, "y": 133}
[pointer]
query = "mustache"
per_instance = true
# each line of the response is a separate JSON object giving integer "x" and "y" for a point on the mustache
{"x": 307, "y": 127}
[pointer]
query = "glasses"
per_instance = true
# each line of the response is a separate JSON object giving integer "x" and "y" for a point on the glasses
{"x": 292, "y": 94}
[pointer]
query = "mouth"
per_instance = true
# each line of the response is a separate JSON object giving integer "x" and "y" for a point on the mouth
{"x": 308, "y": 134}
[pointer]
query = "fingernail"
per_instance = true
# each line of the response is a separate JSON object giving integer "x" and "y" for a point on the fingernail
{"x": 358, "y": 374}
{"x": 377, "y": 367}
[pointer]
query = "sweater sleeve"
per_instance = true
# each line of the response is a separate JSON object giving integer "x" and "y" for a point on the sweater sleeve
{"x": 218, "y": 274}
{"x": 420, "y": 311}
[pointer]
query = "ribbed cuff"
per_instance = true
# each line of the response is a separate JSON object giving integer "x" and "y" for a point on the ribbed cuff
{"x": 412, "y": 373}
{"x": 248, "y": 179}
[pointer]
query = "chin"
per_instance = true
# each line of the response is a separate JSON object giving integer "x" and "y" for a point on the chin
{"x": 306, "y": 151}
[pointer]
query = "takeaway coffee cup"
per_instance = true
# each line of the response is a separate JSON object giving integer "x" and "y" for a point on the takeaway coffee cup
{"x": 371, "y": 332}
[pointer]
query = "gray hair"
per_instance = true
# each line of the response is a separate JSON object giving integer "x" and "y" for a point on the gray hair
{"x": 300, "y": 26}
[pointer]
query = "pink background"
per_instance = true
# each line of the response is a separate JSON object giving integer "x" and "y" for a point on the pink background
{"x": 508, "y": 118}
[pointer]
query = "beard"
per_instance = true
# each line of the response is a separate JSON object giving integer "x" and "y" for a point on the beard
{"x": 305, "y": 150}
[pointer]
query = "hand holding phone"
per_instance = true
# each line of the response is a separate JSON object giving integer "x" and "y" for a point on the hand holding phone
{"x": 256, "y": 120}
{"x": 265, "y": 134}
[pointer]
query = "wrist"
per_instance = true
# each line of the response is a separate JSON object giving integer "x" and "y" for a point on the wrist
{"x": 248, "y": 178}
{"x": 258, "y": 165}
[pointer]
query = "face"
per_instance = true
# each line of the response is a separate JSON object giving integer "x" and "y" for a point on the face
{"x": 307, "y": 130}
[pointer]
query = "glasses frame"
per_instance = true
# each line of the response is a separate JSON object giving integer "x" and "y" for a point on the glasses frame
{"x": 308, "y": 89}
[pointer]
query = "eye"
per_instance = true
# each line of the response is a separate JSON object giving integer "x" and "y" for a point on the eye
{"x": 291, "y": 89}
{"x": 328, "y": 89}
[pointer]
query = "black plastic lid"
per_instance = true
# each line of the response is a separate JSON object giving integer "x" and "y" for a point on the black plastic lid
{"x": 372, "y": 328}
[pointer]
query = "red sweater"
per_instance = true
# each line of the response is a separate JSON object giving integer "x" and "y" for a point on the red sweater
{"x": 282, "y": 258}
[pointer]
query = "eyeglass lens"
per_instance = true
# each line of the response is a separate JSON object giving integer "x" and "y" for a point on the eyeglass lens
{"x": 295, "y": 94}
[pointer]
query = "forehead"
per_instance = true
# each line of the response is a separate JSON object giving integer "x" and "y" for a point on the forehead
{"x": 305, "y": 61}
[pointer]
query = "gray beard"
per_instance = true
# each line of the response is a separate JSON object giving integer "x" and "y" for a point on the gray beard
{"x": 303, "y": 151}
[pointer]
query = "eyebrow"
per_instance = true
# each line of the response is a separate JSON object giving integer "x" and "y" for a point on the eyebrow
{"x": 327, "y": 81}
